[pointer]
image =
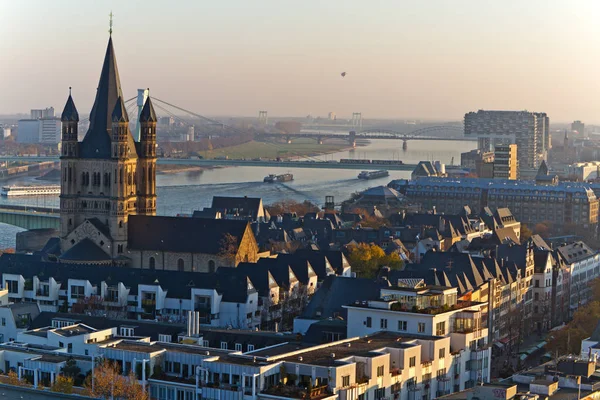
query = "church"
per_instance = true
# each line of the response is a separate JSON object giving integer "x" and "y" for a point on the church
{"x": 108, "y": 196}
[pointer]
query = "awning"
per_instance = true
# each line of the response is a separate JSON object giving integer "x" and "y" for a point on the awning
{"x": 504, "y": 340}
{"x": 498, "y": 345}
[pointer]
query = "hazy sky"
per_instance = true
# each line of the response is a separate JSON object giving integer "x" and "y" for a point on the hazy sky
{"x": 404, "y": 59}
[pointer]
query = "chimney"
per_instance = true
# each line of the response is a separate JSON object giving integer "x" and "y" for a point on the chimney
{"x": 197, "y": 322}
{"x": 189, "y": 323}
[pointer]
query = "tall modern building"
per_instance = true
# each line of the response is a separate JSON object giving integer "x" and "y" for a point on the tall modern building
{"x": 48, "y": 112}
{"x": 529, "y": 131}
{"x": 42, "y": 127}
{"x": 579, "y": 127}
{"x": 505, "y": 162}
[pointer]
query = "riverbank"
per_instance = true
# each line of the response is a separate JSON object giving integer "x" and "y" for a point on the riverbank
{"x": 298, "y": 148}
{"x": 175, "y": 169}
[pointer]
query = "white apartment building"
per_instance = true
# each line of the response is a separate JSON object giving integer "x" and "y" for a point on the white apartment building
{"x": 383, "y": 365}
{"x": 430, "y": 311}
{"x": 125, "y": 293}
{"x": 583, "y": 264}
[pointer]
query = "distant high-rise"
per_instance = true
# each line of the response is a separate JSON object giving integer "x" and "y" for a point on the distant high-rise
{"x": 48, "y": 112}
{"x": 529, "y": 131}
{"x": 579, "y": 127}
{"x": 505, "y": 162}
{"x": 331, "y": 116}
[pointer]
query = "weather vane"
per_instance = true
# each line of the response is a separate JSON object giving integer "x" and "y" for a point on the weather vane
{"x": 110, "y": 23}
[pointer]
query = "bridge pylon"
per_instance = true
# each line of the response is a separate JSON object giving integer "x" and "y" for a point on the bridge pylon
{"x": 320, "y": 140}
{"x": 404, "y": 144}
{"x": 352, "y": 138}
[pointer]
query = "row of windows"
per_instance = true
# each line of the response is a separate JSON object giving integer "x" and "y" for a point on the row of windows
{"x": 180, "y": 264}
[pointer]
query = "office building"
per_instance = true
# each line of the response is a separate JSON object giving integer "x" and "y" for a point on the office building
{"x": 49, "y": 130}
{"x": 529, "y": 131}
{"x": 579, "y": 127}
{"x": 45, "y": 113}
{"x": 561, "y": 203}
{"x": 28, "y": 131}
{"x": 505, "y": 162}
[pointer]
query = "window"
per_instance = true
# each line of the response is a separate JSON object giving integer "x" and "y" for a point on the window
{"x": 380, "y": 370}
{"x": 440, "y": 328}
{"x": 77, "y": 292}
{"x": 180, "y": 264}
{"x": 205, "y": 343}
{"x": 442, "y": 353}
{"x": 412, "y": 362}
{"x": 211, "y": 266}
{"x": 164, "y": 338}
{"x": 346, "y": 380}
{"x": 224, "y": 345}
{"x": 402, "y": 325}
{"x": 421, "y": 327}
{"x": 536, "y": 296}
{"x": 152, "y": 263}
{"x": 3, "y": 321}
{"x": 368, "y": 322}
{"x": 250, "y": 347}
{"x": 69, "y": 347}
{"x": 537, "y": 283}
{"x": 383, "y": 323}
{"x": 124, "y": 331}
{"x": 238, "y": 347}
{"x": 13, "y": 286}
{"x": 380, "y": 393}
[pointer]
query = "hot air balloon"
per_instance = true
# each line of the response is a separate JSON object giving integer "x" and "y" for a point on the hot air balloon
{"x": 343, "y": 74}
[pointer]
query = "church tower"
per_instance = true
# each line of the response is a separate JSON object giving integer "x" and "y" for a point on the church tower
{"x": 100, "y": 185}
{"x": 147, "y": 161}
{"x": 69, "y": 153}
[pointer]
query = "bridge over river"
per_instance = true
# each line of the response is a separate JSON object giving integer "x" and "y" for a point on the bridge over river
{"x": 208, "y": 162}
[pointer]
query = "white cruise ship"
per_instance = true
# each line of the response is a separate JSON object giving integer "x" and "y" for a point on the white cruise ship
{"x": 30, "y": 190}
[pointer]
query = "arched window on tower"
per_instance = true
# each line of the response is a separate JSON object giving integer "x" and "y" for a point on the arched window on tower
{"x": 211, "y": 266}
{"x": 180, "y": 265}
{"x": 152, "y": 263}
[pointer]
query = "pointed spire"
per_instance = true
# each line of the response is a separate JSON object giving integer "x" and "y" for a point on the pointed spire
{"x": 70, "y": 111}
{"x": 109, "y": 90}
{"x": 119, "y": 113}
{"x": 148, "y": 114}
{"x": 543, "y": 170}
{"x": 96, "y": 143}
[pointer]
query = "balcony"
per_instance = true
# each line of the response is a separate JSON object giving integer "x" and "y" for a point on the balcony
{"x": 148, "y": 303}
{"x": 297, "y": 392}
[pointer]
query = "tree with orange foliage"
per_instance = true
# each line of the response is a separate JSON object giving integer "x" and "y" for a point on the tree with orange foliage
{"x": 13, "y": 379}
{"x": 62, "y": 384}
{"x": 366, "y": 260}
{"x": 109, "y": 383}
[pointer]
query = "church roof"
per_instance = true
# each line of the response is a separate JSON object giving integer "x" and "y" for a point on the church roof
{"x": 179, "y": 234}
{"x": 148, "y": 114}
{"x": 70, "y": 111}
{"x": 85, "y": 250}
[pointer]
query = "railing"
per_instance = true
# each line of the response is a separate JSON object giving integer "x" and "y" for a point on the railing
{"x": 148, "y": 302}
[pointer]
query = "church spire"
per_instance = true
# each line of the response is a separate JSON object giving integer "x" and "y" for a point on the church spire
{"x": 70, "y": 111}
{"x": 96, "y": 143}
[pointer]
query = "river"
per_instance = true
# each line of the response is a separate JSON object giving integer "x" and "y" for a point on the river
{"x": 188, "y": 191}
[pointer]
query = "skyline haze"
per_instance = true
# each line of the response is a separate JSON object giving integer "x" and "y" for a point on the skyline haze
{"x": 420, "y": 60}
